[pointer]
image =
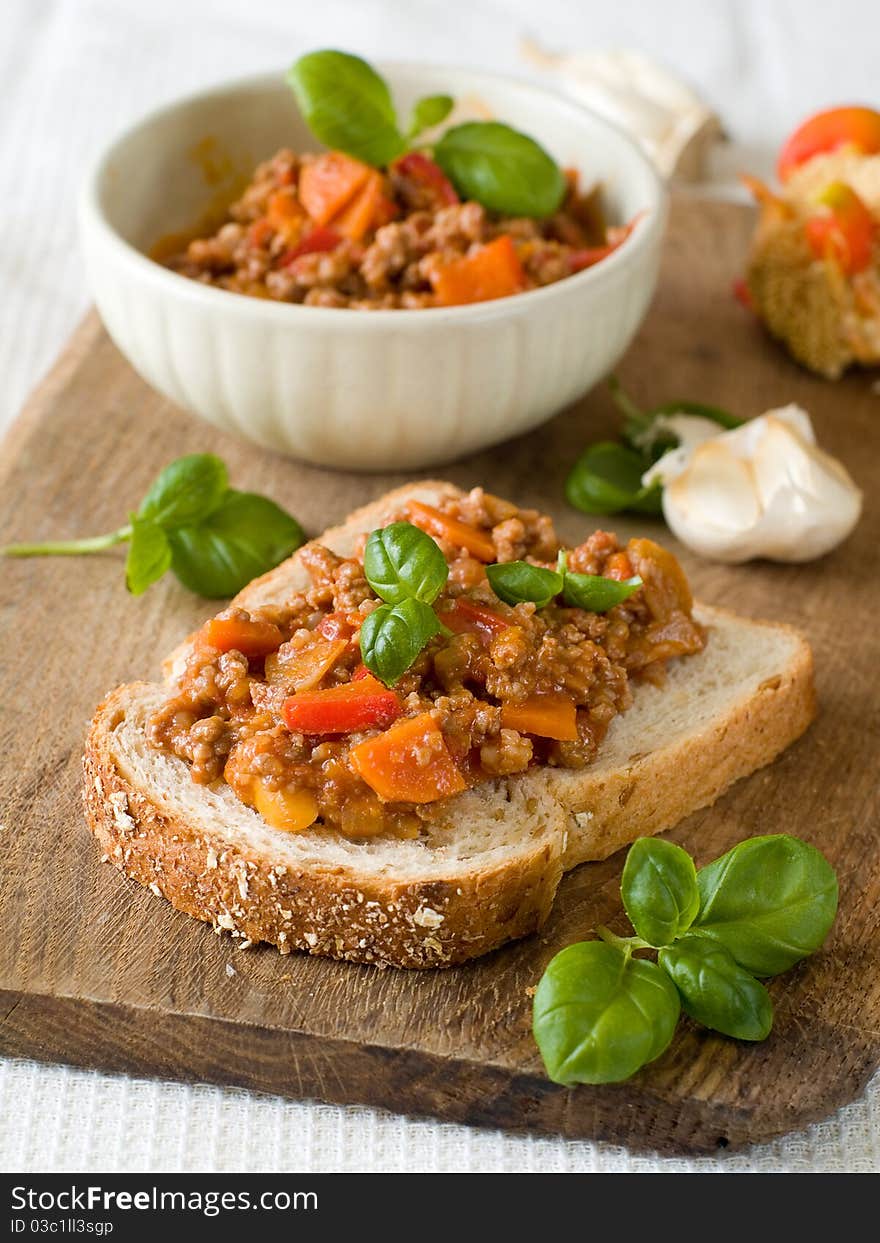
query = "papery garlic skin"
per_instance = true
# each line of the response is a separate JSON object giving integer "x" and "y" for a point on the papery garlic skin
{"x": 762, "y": 490}
{"x": 674, "y": 125}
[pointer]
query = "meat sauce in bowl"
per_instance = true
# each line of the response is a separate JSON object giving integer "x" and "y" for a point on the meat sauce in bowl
{"x": 327, "y": 230}
{"x": 277, "y": 702}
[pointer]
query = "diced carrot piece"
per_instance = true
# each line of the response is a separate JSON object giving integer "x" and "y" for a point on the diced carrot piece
{"x": 547, "y": 716}
{"x": 251, "y": 638}
{"x": 290, "y": 810}
{"x": 490, "y": 271}
{"x": 364, "y": 211}
{"x": 409, "y": 763}
{"x": 328, "y": 183}
{"x": 260, "y": 233}
{"x": 285, "y": 215}
{"x": 618, "y": 566}
{"x": 441, "y": 526}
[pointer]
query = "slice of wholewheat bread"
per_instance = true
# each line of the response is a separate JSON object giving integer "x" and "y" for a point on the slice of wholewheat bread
{"x": 488, "y": 865}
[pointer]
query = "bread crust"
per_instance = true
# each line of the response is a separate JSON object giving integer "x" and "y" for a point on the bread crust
{"x": 333, "y": 912}
{"x": 441, "y": 919}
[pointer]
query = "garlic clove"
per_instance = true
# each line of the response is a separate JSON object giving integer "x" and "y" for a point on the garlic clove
{"x": 762, "y": 490}
{"x": 712, "y": 506}
{"x": 810, "y": 504}
{"x": 674, "y": 125}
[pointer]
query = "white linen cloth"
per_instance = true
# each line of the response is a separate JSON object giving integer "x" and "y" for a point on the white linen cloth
{"x": 75, "y": 72}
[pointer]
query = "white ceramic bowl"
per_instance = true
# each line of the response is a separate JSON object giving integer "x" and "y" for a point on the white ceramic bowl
{"x": 359, "y": 390}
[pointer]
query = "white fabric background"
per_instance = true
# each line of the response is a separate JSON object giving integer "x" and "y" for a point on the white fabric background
{"x": 76, "y": 71}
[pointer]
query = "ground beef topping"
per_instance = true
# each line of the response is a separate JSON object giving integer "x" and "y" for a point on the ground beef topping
{"x": 324, "y": 230}
{"x": 464, "y": 711}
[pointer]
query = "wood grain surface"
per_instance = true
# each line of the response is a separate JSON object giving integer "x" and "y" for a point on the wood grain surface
{"x": 95, "y": 971}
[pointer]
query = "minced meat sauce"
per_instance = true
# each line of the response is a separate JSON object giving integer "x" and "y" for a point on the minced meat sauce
{"x": 399, "y": 242}
{"x": 225, "y": 719}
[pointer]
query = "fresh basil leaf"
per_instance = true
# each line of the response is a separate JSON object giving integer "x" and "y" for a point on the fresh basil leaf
{"x": 659, "y": 890}
{"x": 716, "y": 991}
{"x": 401, "y": 562}
{"x": 149, "y": 555}
{"x": 597, "y": 594}
{"x": 393, "y": 635}
{"x": 599, "y": 1015}
{"x": 515, "y": 582}
{"x": 428, "y": 112}
{"x": 186, "y": 491}
{"x": 607, "y": 478}
{"x": 770, "y": 901}
{"x": 245, "y": 536}
{"x": 506, "y": 171}
{"x": 347, "y": 105}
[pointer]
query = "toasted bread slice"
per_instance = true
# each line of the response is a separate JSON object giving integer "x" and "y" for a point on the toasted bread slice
{"x": 488, "y": 864}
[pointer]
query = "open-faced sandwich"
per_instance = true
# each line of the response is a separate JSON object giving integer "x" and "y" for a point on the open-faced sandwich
{"x": 814, "y": 272}
{"x": 391, "y": 747}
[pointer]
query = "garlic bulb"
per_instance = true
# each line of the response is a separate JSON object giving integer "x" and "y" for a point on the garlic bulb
{"x": 762, "y": 490}
{"x": 668, "y": 118}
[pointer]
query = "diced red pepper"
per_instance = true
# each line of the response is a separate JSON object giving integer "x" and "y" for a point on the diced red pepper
{"x": 320, "y": 240}
{"x": 251, "y": 638}
{"x": 364, "y": 704}
{"x": 467, "y": 617}
{"x": 827, "y": 131}
{"x": 579, "y": 260}
{"x": 843, "y": 229}
{"x": 546, "y": 716}
{"x": 743, "y": 294}
{"x": 419, "y": 168}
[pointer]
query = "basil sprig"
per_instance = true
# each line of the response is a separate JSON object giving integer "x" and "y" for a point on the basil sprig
{"x": 427, "y": 112}
{"x": 515, "y": 582}
{"x": 348, "y": 106}
{"x": 607, "y": 477}
{"x": 213, "y": 538}
{"x": 506, "y": 171}
{"x": 407, "y": 570}
{"x": 393, "y": 635}
{"x": 600, "y": 1014}
{"x": 591, "y": 988}
{"x": 770, "y": 901}
{"x": 401, "y": 563}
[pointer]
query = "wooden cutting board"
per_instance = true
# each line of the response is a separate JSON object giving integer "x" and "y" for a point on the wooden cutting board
{"x": 95, "y": 971}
